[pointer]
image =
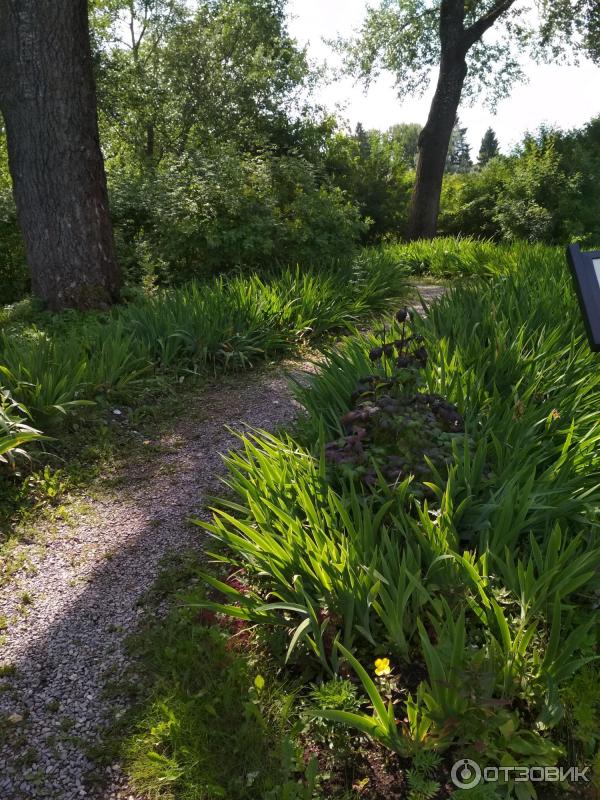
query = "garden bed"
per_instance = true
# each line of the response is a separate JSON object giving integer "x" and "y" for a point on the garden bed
{"x": 444, "y": 608}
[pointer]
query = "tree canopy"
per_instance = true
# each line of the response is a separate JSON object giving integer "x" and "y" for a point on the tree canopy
{"x": 404, "y": 38}
{"x": 411, "y": 38}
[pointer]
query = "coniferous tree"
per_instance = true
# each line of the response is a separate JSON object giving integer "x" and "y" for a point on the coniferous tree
{"x": 459, "y": 151}
{"x": 489, "y": 148}
{"x": 364, "y": 144}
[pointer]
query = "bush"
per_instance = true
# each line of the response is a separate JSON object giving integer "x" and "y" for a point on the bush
{"x": 544, "y": 192}
{"x": 207, "y": 214}
{"x": 14, "y": 277}
{"x": 469, "y": 201}
{"x": 537, "y": 196}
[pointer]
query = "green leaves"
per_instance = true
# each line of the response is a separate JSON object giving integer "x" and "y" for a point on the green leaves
{"x": 488, "y": 588}
{"x": 14, "y": 431}
{"x": 63, "y": 363}
{"x": 382, "y": 726}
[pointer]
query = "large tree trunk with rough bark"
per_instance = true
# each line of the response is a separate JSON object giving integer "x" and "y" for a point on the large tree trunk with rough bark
{"x": 433, "y": 148}
{"x": 48, "y": 100}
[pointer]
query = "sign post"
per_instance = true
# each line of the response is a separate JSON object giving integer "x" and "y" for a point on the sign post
{"x": 585, "y": 268}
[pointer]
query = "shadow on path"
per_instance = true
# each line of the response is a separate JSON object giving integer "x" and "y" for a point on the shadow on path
{"x": 86, "y": 588}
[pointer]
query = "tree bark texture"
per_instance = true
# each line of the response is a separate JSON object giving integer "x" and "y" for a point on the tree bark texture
{"x": 48, "y": 100}
{"x": 434, "y": 141}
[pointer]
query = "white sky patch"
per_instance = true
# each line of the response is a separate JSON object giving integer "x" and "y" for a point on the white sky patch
{"x": 562, "y": 96}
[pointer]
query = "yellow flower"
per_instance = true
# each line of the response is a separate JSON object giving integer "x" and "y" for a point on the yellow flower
{"x": 382, "y": 666}
{"x": 555, "y": 414}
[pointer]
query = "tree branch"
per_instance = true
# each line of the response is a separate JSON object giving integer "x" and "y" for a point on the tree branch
{"x": 474, "y": 33}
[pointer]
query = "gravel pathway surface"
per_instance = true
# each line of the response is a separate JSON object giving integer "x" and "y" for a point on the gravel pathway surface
{"x": 69, "y": 612}
{"x": 82, "y": 591}
{"x": 429, "y": 292}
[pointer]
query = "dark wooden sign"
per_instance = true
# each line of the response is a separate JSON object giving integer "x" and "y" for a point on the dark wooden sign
{"x": 586, "y": 274}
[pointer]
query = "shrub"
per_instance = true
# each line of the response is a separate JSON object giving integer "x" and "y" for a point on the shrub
{"x": 544, "y": 192}
{"x": 469, "y": 201}
{"x": 14, "y": 277}
{"x": 210, "y": 213}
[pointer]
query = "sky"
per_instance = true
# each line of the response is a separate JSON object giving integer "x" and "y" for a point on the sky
{"x": 564, "y": 96}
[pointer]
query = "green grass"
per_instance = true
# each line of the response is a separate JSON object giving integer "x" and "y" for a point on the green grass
{"x": 204, "y": 723}
{"x": 67, "y": 372}
{"x": 53, "y": 364}
{"x": 465, "y": 257}
{"x": 491, "y": 585}
{"x": 483, "y": 597}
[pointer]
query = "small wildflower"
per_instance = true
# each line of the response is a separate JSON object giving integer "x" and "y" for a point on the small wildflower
{"x": 555, "y": 414}
{"x": 382, "y": 667}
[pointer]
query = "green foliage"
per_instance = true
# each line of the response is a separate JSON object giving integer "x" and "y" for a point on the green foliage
{"x": 214, "y": 174}
{"x": 14, "y": 431}
{"x": 421, "y": 787}
{"x": 487, "y": 587}
{"x": 537, "y": 188}
{"x": 392, "y": 431}
{"x": 205, "y": 213}
{"x": 204, "y": 726}
{"x": 253, "y": 100}
{"x": 373, "y": 169}
{"x": 339, "y": 694}
{"x": 459, "y": 151}
{"x": 489, "y": 148}
{"x": 582, "y": 700}
{"x": 460, "y": 257}
{"x": 468, "y": 203}
{"x": 407, "y": 39}
{"x": 544, "y": 192}
{"x": 381, "y": 725}
{"x": 14, "y": 280}
{"x": 57, "y": 364}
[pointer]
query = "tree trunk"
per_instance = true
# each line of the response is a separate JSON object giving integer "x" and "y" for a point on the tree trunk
{"x": 433, "y": 148}
{"x": 48, "y": 99}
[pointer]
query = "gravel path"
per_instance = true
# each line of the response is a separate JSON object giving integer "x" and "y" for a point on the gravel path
{"x": 67, "y": 639}
{"x": 429, "y": 292}
{"x": 69, "y": 613}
